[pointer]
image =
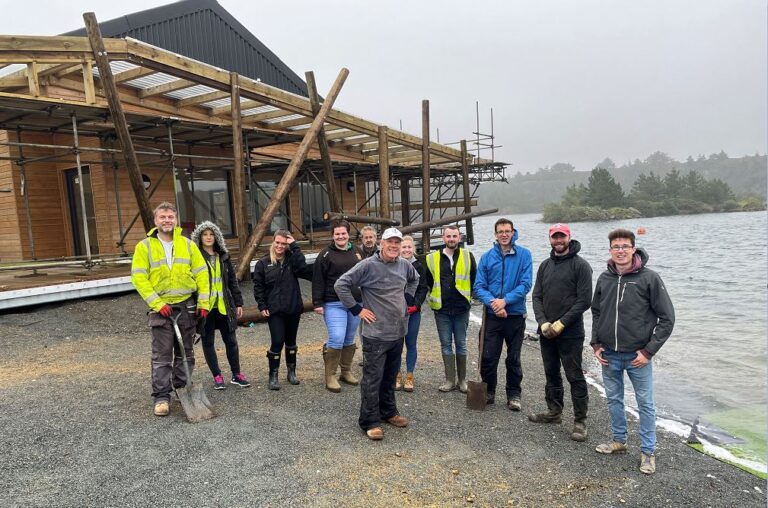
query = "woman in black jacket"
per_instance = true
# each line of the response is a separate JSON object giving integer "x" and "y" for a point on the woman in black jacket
{"x": 278, "y": 296}
{"x": 226, "y": 304}
{"x": 407, "y": 252}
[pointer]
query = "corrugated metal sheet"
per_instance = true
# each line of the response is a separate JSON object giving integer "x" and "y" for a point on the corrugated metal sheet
{"x": 205, "y": 31}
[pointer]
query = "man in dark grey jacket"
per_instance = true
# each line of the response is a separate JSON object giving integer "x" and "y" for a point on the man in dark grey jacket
{"x": 387, "y": 283}
{"x": 561, "y": 295}
{"x": 632, "y": 317}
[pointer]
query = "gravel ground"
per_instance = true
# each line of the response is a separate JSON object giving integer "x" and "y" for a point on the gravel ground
{"x": 78, "y": 430}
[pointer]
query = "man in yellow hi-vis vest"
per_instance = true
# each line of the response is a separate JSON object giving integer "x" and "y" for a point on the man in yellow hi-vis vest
{"x": 450, "y": 276}
{"x": 168, "y": 271}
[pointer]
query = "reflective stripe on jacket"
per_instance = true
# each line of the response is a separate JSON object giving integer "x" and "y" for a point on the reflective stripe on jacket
{"x": 217, "y": 285}
{"x": 159, "y": 285}
{"x": 462, "y": 278}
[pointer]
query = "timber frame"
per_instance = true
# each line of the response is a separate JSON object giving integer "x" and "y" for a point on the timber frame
{"x": 53, "y": 86}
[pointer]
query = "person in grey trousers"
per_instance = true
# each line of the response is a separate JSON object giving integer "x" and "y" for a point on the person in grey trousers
{"x": 387, "y": 283}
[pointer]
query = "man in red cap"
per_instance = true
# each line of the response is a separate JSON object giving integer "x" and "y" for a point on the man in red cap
{"x": 561, "y": 295}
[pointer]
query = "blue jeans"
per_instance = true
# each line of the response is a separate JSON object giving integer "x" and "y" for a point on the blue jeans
{"x": 414, "y": 322}
{"x": 642, "y": 382}
{"x": 450, "y": 328}
{"x": 342, "y": 325}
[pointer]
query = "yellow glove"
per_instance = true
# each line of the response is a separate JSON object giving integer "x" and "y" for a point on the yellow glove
{"x": 556, "y": 329}
{"x": 545, "y": 328}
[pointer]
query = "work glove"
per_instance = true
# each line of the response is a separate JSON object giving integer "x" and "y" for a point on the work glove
{"x": 412, "y": 309}
{"x": 545, "y": 329}
{"x": 556, "y": 329}
{"x": 165, "y": 311}
{"x": 202, "y": 313}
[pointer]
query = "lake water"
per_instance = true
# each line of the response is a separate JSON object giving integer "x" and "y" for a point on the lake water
{"x": 715, "y": 269}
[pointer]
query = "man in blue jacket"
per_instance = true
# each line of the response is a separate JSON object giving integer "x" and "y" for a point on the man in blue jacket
{"x": 504, "y": 278}
{"x": 632, "y": 317}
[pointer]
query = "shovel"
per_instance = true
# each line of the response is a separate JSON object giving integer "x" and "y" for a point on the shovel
{"x": 196, "y": 406}
{"x": 477, "y": 391}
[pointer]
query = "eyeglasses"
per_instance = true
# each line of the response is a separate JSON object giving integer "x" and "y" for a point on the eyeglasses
{"x": 617, "y": 248}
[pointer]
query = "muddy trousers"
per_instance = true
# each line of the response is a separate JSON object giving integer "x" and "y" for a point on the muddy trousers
{"x": 566, "y": 352}
{"x": 499, "y": 331}
{"x": 167, "y": 369}
{"x": 381, "y": 360}
{"x": 216, "y": 321}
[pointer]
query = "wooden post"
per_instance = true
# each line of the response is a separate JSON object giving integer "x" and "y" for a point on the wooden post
{"x": 118, "y": 117}
{"x": 361, "y": 219}
{"x": 465, "y": 188}
{"x": 289, "y": 177}
{"x": 426, "y": 210}
{"x": 405, "y": 200}
{"x": 384, "y": 171}
{"x": 445, "y": 220}
{"x": 325, "y": 156}
{"x": 238, "y": 192}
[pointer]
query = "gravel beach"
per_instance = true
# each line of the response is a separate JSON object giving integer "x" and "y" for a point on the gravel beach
{"x": 78, "y": 430}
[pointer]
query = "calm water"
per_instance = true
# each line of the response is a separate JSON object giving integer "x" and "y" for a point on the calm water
{"x": 714, "y": 267}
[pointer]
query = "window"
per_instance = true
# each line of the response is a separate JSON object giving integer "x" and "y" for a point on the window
{"x": 260, "y": 192}
{"x": 203, "y": 194}
{"x": 314, "y": 203}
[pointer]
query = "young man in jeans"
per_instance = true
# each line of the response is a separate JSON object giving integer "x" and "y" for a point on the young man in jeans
{"x": 632, "y": 317}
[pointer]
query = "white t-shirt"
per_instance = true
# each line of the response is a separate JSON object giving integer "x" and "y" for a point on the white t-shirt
{"x": 168, "y": 247}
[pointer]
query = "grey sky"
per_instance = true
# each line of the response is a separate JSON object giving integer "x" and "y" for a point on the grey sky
{"x": 568, "y": 81}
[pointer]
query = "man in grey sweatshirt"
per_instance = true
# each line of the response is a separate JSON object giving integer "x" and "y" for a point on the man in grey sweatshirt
{"x": 387, "y": 283}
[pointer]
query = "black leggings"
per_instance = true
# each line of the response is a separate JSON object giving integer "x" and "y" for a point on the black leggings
{"x": 283, "y": 329}
{"x": 218, "y": 321}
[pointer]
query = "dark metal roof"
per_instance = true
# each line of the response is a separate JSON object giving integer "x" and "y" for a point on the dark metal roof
{"x": 205, "y": 31}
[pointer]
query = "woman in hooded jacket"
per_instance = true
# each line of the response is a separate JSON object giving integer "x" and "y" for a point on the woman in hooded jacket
{"x": 278, "y": 296}
{"x": 226, "y": 304}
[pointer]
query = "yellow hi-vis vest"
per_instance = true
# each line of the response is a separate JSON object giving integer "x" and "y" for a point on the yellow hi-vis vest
{"x": 217, "y": 286}
{"x": 159, "y": 285}
{"x": 462, "y": 277}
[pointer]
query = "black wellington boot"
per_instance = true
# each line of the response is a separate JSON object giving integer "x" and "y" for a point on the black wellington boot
{"x": 290, "y": 362}
{"x": 274, "y": 366}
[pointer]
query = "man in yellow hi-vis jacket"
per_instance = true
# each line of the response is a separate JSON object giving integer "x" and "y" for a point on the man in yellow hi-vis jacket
{"x": 169, "y": 271}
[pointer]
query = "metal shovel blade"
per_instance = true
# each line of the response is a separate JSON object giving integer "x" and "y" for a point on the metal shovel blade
{"x": 196, "y": 405}
{"x": 477, "y": 395}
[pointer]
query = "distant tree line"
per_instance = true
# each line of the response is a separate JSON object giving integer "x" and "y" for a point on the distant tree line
{"x": 602, "y": 197}
{"x": 532, "y": 191}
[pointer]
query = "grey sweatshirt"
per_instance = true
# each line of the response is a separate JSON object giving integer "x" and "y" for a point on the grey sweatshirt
{"x": 384, "y": 286}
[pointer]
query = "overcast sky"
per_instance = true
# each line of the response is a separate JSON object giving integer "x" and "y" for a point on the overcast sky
{"x": 568, "y": 81}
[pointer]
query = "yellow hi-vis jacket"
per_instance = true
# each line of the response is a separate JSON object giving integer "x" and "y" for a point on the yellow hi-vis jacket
{"x": 217, "y": 286}
{"x": 157, "y": 284}
{"x": 462, "y": 274}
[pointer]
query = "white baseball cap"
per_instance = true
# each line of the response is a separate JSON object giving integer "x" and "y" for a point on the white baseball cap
{"x": 391, "y": 233}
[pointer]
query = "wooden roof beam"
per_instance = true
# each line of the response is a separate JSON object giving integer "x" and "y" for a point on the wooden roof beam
{"x": 289, "y": 123}
{"x": 353, "y": 141}
{"x": 202, "y": 98}
{"x": 267, "y": 115}
{"x": 131, "y": 74}
{"x": 227, "y": 109}
{"x": 165, "y": 88}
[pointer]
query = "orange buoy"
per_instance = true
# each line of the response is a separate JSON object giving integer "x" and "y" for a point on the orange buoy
{"x": 641, "y": 231}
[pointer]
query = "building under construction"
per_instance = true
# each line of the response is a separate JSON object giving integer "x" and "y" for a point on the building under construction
{"x": 181, "y": 103}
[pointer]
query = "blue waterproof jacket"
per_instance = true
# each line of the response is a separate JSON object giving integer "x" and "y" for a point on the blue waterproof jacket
{"x": 507, "y": 276}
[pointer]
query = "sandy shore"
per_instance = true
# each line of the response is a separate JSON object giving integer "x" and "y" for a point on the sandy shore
{"x": 78, "y": 430}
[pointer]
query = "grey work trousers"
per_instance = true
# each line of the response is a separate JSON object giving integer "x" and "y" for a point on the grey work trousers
{"x": 381, "y": 361}
{"x": 167, "y": 369}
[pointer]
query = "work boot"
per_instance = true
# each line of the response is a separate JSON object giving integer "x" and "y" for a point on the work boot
{"x": 579, "y": 432}
{"x": 461, "y": 372}
{"x": 611, "y": 448}
{"x": 647, "y": 463}
{"x": 331, "y": 358}
{"x": 449, "y": 362}
{"x": 274, "y": 368}
{"x": 290, "y": 362}
{"x": 345, "y": 362}
{"x": 408, "y": 384}
{"x": 398, "y": 382}
{"x": 514, "y": 404}
{"x": 549, "y": 416}
{"x": 162, "y": 408}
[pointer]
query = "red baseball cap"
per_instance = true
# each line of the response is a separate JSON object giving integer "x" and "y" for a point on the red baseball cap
{"x": 559, "y": 228}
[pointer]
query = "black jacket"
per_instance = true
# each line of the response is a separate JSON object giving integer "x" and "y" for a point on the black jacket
{"x": 233, "y": 298}
{"x": 563, "y": 291}
{"x": 276, "y": 285}
{"x": 453, "y": 302}
{"x": 422, "y": 290}
{"x": 332, "y": 263}
{"x": 631, "y": 311}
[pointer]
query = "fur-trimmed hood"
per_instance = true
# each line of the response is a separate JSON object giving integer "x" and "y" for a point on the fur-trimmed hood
{"x": 219, "y": 245}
